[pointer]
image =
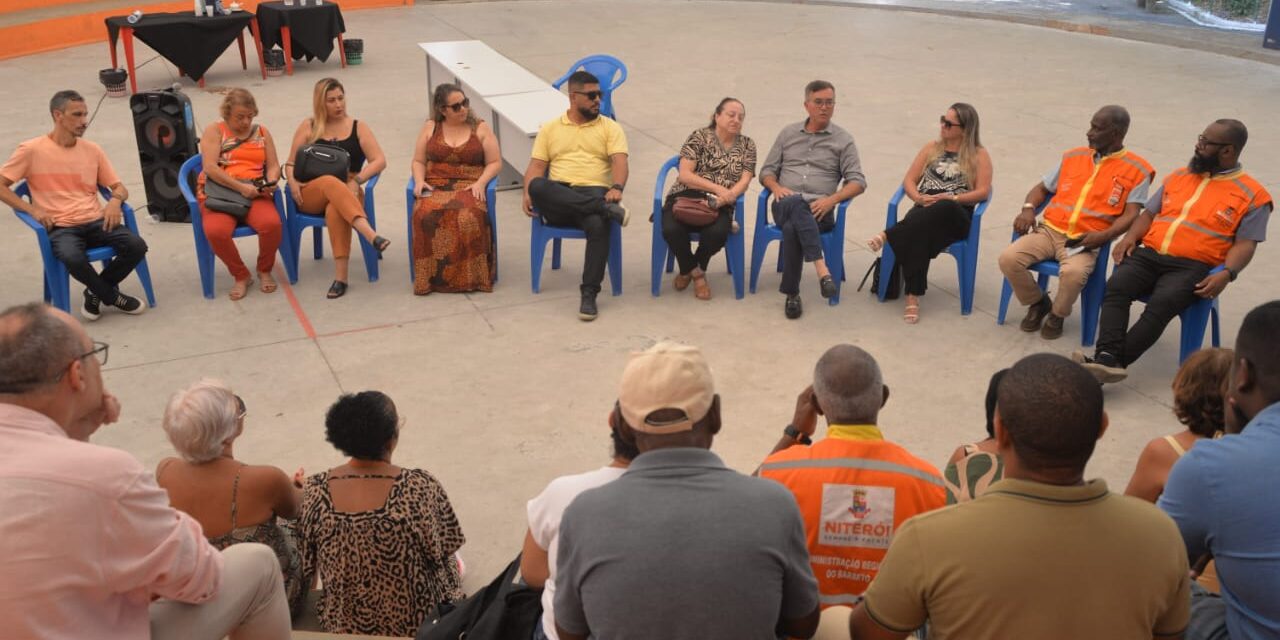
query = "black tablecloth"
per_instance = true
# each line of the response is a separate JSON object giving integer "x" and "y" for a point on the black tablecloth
{"x": 192, "y": 43}
{"x": 313, "y": 29}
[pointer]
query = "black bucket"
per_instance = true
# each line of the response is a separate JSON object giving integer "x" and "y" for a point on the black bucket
{"x": 274, "y": 59}
{"x": 354, "y": 48}
{"x": 114, "y": 80}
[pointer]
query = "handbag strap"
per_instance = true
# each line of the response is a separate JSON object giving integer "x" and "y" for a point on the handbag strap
{"x": 874, "y": 266}
{"x": 253, "y": 131}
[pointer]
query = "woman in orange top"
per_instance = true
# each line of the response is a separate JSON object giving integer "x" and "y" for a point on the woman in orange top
{"x": 237, "y": 152}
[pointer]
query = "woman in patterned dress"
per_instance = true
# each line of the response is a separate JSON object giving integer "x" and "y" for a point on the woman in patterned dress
{"x": 947, "y": 179}
{"x": 455, "y": 157}
{"x": 380, "y": 537}
{"x": 233, "y": 502}
{"x": 716, "y": 163}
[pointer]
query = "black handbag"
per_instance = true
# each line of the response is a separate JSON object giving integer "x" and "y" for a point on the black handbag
{"x": 315, "y": 160}
{"x": 224, "y": 199}
{"x": 507, "y": 609}
{"x": 895, "y": 281}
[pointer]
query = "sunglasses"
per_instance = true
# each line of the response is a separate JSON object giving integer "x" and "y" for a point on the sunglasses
{"x": 590, "y": 95}
{"x": 947, "y": 124}
{"x": 459, "y": 106}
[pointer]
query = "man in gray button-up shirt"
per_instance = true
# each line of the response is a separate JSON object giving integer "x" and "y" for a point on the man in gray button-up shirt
{"x": 804, "y": 170}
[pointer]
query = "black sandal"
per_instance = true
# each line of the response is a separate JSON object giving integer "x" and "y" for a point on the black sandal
{"x": 337, "y": 289}
{"x": 380, "y": 243}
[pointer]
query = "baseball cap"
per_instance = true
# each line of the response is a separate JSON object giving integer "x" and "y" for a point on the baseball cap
{"x": 666, "y": 376}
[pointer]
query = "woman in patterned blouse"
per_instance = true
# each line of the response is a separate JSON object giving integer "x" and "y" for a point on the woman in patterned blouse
{"x": 717, "y": 163}
{"x": 380, "y": 537}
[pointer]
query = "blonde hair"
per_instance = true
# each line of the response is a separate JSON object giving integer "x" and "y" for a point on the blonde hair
{"x": 200, "y": 419}
{"x": 320, "y": 118}
{"x": 238, "y": 98}
{"x": 967, "y": 116}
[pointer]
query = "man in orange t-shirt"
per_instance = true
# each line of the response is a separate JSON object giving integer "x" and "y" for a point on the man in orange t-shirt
{"x": 64, "y": 172}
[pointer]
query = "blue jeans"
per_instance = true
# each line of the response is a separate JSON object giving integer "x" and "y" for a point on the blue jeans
{"x": 1208, "y": 616}
{"x": 801, "y": 238}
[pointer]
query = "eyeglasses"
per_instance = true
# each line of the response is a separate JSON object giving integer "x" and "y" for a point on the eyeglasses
{"x": 590, "y": 95}
{"x": 459, "y": 106}
{"x": 947, "y": 124}
{"x": 242, "y": 409}
{"x": 825, "y": 103}
{"x": 99, "y": 350}
{"x": 1205, "y": 142}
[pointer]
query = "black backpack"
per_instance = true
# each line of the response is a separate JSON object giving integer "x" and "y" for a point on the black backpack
{"x": 895, "y": 281}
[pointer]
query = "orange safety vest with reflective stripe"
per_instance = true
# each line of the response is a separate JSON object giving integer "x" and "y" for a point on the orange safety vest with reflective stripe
{"x": 854, "y": 490}
{"x": 1091, "y": 196}
{"x": 1199, "y": 214}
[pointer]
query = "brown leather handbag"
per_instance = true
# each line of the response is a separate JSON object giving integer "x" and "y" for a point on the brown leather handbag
{"x": 694, "y": 212}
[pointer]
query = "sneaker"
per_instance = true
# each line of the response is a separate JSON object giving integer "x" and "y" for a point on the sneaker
{"x": 1104, "y": 367}
{"x": 129, "y": 304}
{"x": 827, "y": 285}
{"x": 587, "y": 311}
{"x": 1052, "y": 329}
{"x": 92, "y": 309}
{"x": 618, "y": 213}
{"x": 1035, "y": 314}
{"x": 792, "y": 307}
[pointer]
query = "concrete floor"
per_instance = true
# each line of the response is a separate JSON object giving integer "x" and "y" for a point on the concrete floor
{"x": 507, "y": 390}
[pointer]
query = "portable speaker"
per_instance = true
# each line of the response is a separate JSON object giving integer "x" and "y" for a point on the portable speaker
{"x": 165, "y": 129}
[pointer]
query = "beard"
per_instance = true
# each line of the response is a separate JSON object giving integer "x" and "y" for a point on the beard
{"x": 589, "y": 113}
{"x": 1201, "y": 164}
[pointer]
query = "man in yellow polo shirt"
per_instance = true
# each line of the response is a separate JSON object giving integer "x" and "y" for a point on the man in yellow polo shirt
{"x": 576, "y": 177}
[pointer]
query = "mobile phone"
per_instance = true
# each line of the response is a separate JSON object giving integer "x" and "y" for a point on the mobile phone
{"x": 262, "y": 184}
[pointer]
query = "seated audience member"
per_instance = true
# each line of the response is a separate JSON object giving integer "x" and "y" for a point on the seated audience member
{"x": 236, "y": 153}
{"x": 946, "y": 181}
{"x": 1221, "y": 493}
{"x": 380, "y": 537}
{"x": 341, "y": 203}
{"x": 233, "y": 502}
{"x": 854, "y": 487}
{"x": 716, "y": 165}
{"x": 805, "y": 170}
{"x": 681, "y": 547}
{"x": 973, "y": 467}
{"x": 538, "y": 561}
{"x": 1094, "y": 194}
{"x": 91, "y": 546}
{"x": 576, "y": 177}
{"x": 1058, "y": 538}
{"x": 1208, "y": 214}
{"x": 63, "y": 171}
{"x": 1198, "y": 390}
{"x": 453, "y": 161}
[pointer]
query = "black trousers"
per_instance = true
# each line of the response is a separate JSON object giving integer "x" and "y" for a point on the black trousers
{"x": 71, "y": 244}
{"x": 801, "y": 238}
{"x": 1171, "y": 284}
{"x": 561, "y": 205}
{"x": 924, "y": 233}
{"x": 711, "y": 238}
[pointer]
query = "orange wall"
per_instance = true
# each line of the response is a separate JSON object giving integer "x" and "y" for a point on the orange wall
{"x": 86, "y": 28}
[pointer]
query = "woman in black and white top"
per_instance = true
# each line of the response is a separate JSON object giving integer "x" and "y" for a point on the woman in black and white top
{"x": 947, "y": 179}
{"x": 717, "y": 163}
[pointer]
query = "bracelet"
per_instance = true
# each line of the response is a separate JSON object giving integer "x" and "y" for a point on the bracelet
{"x": 791, "y": 432}
{"x": 1028, "y": 205}
{"x": 1231, "y": 272}
{"x": 617, "y": 186}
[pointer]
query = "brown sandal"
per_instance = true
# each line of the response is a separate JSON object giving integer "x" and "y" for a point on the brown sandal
{"x": 681, "y": 281}
{"x": 701, "y": 290}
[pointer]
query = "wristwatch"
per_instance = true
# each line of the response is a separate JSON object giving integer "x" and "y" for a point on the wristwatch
{"x": 791, "y": 432}
{"x": 1231, "y": 272}
{"x": 617, "y": 186}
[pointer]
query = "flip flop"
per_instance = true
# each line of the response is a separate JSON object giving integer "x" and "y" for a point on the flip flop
{"x": 337, "y": 289}
{"x": 912, "y": 313}
{"x": 380, "y": 243}
{"x": 701, "y": 289}
{"x": 240, "y": 289}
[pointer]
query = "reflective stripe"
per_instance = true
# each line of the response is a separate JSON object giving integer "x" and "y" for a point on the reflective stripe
{"x": 843, "y": 598}
{"x": 854, "y": 463}
{"x": 1084, "y": 193}
{"x": 1195, "y": 227}
{"x": 1186, "y": 210}
{"x": 1245, "y": 188}
{"x": 1077, "y": 152}
{"x": 1145, "y": 172}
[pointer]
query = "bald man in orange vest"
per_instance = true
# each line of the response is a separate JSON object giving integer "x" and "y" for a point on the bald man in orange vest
{"x": 1208, "y": 214}
{"x": 1094, "y": 195}
{"x": 854, "y": 487}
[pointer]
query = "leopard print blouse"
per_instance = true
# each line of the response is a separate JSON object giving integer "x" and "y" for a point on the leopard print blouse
{"x": 381, "y": 569}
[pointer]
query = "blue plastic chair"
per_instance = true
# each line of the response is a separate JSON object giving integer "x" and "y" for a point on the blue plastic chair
{"x": 611, "y": 72}
{"x": 1194, "y": 319}
{"x": 832, "y": 244}
{"x": 57, "y": 284}
{"x": 540, "y": 233}
{"x": 734, "y": 249}
{"x": 297, "y": 221}
{"x": 964, "y": 251}
{"x": 1090, "y": 297}
{"x": 187, "y": 175}
{"x": 491, "y": 205}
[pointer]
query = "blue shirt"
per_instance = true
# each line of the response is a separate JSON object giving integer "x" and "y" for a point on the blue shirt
{"x": 1222, "y": 495}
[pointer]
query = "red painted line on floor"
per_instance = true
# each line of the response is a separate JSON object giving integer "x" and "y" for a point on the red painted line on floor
{"x": 293, "y": 302}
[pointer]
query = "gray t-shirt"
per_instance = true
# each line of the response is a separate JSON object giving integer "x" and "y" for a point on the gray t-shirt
{"x": 813, "y": 164}
{"x": 682, "y": 548}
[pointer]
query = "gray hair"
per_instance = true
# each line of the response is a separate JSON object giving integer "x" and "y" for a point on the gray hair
{"x": 60, "y": 99}
{"x": 35, "y": 346}
{"x": 200, "y": 419}
{"x": 848, "y": 385}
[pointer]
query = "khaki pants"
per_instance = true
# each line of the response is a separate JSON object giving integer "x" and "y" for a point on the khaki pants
{"x": 250, "y": 603}
{"x": 1044, "y": 243}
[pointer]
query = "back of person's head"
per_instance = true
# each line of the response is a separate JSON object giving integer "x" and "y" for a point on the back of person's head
{"x": 60, "y": 99}
{"x": 667, "y": 398}
{"x": 816, "y": 86}
{"x": 993, "y": 388}
{"x": 848, "y": 385}
{"x": 1258, "y": 345}
{"x": 200, "y": 419}
{"x": 581, "y": 78}
{"x": 1197, "y": 391}
{"x": 237, "y": 97}
{"x": 1051, "y": 408}
{"x": 1236, "y": 133}
{"x": 362, "y": 425}
{"x": 35, "y": 347}
{"x": 622, "y": 450}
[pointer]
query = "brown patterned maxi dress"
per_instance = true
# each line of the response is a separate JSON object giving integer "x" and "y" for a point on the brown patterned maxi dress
{"x": 452, "y": 251}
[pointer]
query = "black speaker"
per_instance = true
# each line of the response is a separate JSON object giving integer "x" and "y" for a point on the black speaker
{"x": 165, "y": 128}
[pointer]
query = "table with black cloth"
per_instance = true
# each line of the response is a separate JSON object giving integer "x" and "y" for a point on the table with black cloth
{"x": 303, "y": 32}
{"x": 192, "y": 43}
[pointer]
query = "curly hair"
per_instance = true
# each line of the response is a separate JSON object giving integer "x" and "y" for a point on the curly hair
{"x": 1197, "y": 390}
{"x": 361, "y": 425}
